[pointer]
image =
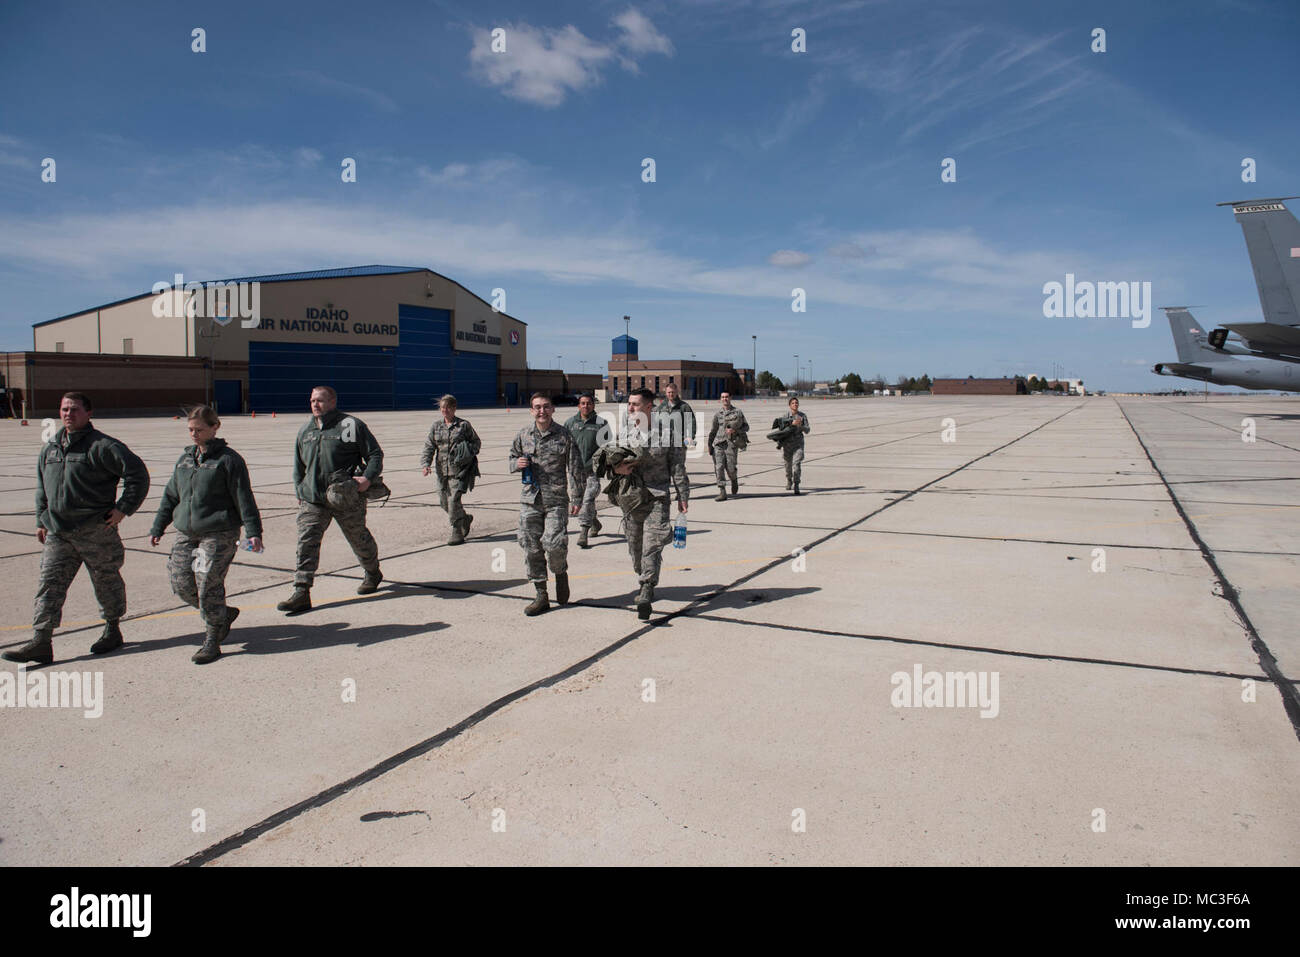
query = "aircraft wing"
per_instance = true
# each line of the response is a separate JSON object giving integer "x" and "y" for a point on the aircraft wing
{"x": 1269, "y": 337}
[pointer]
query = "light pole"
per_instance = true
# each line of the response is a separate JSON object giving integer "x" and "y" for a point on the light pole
{"x": 627, "y": 361}
{"x": 754, "y": 371}
{"x": 796, "y": 373}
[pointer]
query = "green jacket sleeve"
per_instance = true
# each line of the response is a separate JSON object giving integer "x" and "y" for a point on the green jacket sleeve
{"x": 516, "y": 451}
{"x": 475, "y": 443}
{"x": 241, "y": 491}
{"x": 371, "y": 452}
{"x": 131, "y": 470}
{"x": 42, "y": 503}
{"x": 166, "y": 508}
{"x": 299, "y": 467}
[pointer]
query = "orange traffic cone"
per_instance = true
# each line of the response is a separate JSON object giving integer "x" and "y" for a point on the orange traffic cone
{"x": 253, "y": 414}
{"x": 273, "y": 415}
{"x": 24, "y": 422}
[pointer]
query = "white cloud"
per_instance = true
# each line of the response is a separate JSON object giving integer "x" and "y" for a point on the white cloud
{"x": 789, "y": 258}
{"x": 315, "y": 80}
{"x": 308, "y": 156}
{"x": 543, "y": 65}
{"x": 640, "y": 35}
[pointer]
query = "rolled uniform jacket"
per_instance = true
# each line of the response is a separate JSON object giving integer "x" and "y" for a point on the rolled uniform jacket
{"x": 464, "y": 463}
{"x": 208, "y": 492}
{"x": 587, "y": 436}
{"x": 77, "y": 475}
{"x": 553, "y": 459}
{"x": 786, "y": 434}
{"x": 725, "y": 419}
{"x": 658, "y": 471}
{"x": 440, "y": 445}
{"x": 338, "y": 449}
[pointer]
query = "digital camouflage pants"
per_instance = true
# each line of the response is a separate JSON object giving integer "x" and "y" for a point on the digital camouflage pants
{"x": 724, "y": 463}
{"x": 793, "y": 465}
{"x": 543, "y": 537}
{"x": 314, "y": 519}
{"x": 648, "y": 532}
{"x": 97, "y": 545}
{"x": 590, "y": 492}
{"x": 449, "y": 495}
{"x": 197, "y": 570}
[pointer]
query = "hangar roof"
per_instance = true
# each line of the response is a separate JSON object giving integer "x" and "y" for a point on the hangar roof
{"x": 341, "y": 273}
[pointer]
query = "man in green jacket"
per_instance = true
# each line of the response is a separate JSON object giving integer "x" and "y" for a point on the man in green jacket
{"x": 209, "y": 497}
{"x": 77, "y": 514}
{"x": 589, "y": 432}
{"x": 332, "y": 448}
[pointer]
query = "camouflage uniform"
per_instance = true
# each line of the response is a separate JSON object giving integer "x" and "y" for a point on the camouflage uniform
{"x": 76, "y": 486}
{"x": 437, "y": 453}
{"x": 544, "y": 506}
{"x": 588, "y": 435}
{"x": 328, "y": 455}
{"x": 724, "y": 449}
{"x": 792, "y": 447}
{"x": 208, "y": 497}
{"x": 648, "y": 529}
{"x": 675, "y": 423}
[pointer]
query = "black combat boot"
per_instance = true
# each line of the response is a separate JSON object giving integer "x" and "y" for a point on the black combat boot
{"x": 231, "y": 615}
{"x": 722, "y": 494}
{"x": 300, "y": 600}
{"x": 562, "y": 587}
{"x": 643, "y": 600}
{"x": 735, "y": 486}
{"x": 539, "y": 604}
{"x": 40, "y": 650}
{"x": 110, "y": 640}
{"x": 211, "y": 649}
{"x": 370, "y": 583}
{"x": 788, "y": 483}
{"x": 796, "y": 488}
{"x": 582, "y": 537}
{"x": 595, "y": 525}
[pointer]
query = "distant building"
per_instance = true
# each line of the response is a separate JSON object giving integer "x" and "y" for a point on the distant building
{"x": 695, "y": 380}
{"x": 979, "y": 387}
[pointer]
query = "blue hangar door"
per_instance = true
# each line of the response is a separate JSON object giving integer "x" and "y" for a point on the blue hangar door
{"x": 427, "y": 367}
{"x": 281, "y": 375}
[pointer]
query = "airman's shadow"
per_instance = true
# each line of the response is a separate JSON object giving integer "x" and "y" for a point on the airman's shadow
{"x": 749, "y": 597}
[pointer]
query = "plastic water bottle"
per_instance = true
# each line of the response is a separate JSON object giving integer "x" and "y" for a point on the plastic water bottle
{"x": 527, "y": 473}
{"x": 679, "y": 531}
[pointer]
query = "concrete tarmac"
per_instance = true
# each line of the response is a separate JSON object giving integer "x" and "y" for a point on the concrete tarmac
{"x": 1104, "y": 590}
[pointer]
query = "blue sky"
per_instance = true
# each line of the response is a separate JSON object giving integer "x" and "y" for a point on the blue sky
{"x": 774, "y": 169}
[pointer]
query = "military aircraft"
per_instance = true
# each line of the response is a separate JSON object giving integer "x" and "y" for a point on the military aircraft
{"x": 1199, "y": 360}
{"x": 1273, "y": 244}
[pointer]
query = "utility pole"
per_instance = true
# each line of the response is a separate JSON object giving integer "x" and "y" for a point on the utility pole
{"x": 754, "y": 371}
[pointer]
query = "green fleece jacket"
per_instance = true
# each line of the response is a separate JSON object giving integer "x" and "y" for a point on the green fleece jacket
{"x": 77, "y": 475}
{"x": 208, "y": 492}
{"x": 340, "y": 448}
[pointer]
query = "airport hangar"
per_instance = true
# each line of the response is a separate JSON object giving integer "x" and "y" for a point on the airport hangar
{"x": 385, "y": 337}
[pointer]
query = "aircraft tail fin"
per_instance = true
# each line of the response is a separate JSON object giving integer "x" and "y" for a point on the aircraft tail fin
{"x": 1273, "y": 244}
{"x": 1189, "y": 337}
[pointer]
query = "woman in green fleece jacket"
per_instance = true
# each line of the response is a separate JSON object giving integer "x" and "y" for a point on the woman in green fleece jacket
{"x": 208, "y": 498}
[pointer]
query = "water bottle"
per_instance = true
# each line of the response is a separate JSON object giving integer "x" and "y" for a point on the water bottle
{"x": 246, "y": 544}
{"x": 679, "y": 531}
{"x": 527, "y": 472}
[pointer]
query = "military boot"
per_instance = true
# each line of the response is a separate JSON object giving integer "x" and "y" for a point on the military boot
{"x": 789, "y": 484}
{"x": 562, "y": 587}
{"x": 735, "y": 486}
{"x": 370, "y": 583}
{"x": 796, "y": 488}
{"x": 539, "y": 604}
{"x": 722, "y": 494}
{"x": 40, "y": 650}
{"x": 110, "y": 640}
{"x": 457, "y": 536}
{"x": 643, "y": 600}
{"x": 595, "y": 525}
{"x": 300, "y": 600}
{"x": 231, "y": 615}
{"x": 211, "y": 649}
{"x": 582, "y": 537}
